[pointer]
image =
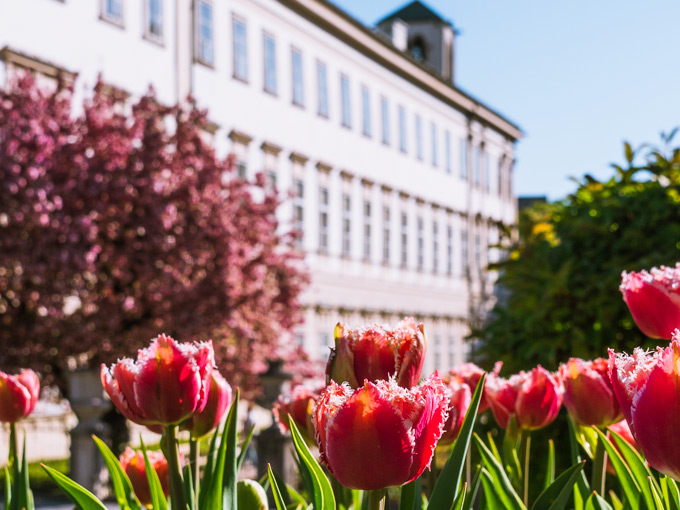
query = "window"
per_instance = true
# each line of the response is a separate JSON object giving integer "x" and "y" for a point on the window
{"x": 240, "y": 49}
{"x": 463, "y": 159}
{"x": 435, "y": 247}
{"x": 464, "y": 250}
{"x": 271, "y": 180}
{"x": 419, "y": 138}
{"x": 437, "y": 351}
{"x": 204, "y": 30}
{"x": 366, "y": 111}
{"x": 367, "y": 230}
{"x": 154, "y": 20}
{"x": 476, "y": 169}
{"x": 500, "y": 176}
{"x": 402, "y": 130}
{"x": 449, "y": 250}
{"x": 269, "y": 63}
{"x": 299, "y": 210}
{"x": 404, "y": 240}
{"x": 322, "y": 89}
{"x": 385, "y": 116}
{"x": 452, "y": 354}
{"x": 324, "y": 345}
{"x": 421, "y": 244}
{"x": 112, "y": 10}
{"x": 386, "y": 235}
{"x": 323, "y": 220}
{"x": 345, "y": 101}
{"x": 435, "y": 149}
{"x": 447, "y": 151}
{"x": 346, "y": 225}
{"x": 478, "y": 251}
{"x": 298, "y": 89}
{"x": 487, "y": 171}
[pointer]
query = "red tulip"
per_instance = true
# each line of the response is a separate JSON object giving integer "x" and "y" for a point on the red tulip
{"x": 167, "y": 383}
{"x": 460, "y": 395}
{"x": 132, "y": 463}
{"x": 471, "y": 374}
{"x": 299, "y": 407}
{"x": 646, "y": 385}
{"x": 533, "y": 397}
{"x": 381, "y": 434}
{"x": 219, "y": 398}
{"x": 654, "y": 299}
{"x": 588, "y": 394}
{"x": 376, "y": 353}
{"x": 18, "y": 395}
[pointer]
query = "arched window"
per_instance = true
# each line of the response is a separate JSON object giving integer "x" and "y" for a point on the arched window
{"x": 416, "y": 47}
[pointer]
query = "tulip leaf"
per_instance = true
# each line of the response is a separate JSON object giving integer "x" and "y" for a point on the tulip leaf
{"x": 491, "y": 500}
{"x": 410, "y": 495}
{"x": 158, "y": 501}
{"x": 502, "y": 484}
{"x": 278, "y": 497}
{"x": 657, "y": 499}
{"x": 582, "y": 481}
{"x": 492, "y": 446}
{"x": 8, "y": 489}
{"x": 460, "y": 499}
{"x": 357, "y": 497}
{"x": 671, "y": 495}
{"x": 630, "y": 487}
{"x": 322, "y": 490}
{"x": 447, "y": 485}
{"x": 21, "y": 493}
{"x": 189, "y": 492}
{"x": 596, "y": 502}
{"x": 209, "y": 465}
{"x": 616, "y": 502}
{"x": 550, "y": 465}
{"x": 81, "y": 497}
{"x": 229, "y": 480}
{"x": 512, "y": 441}
{"x": 556, "y": 495}
{"x": 637, "y": 466}
{"x": 244, "y": 448}
{"x": 476, "y": 482}
{"x": 122, "y": 487}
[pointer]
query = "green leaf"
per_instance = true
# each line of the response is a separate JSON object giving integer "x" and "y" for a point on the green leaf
{"x": 596, "y": 502}
{"x": 209, "y": 466}
{"x": 460, "y": 499}
{"x": 323, "y": 492}
{"x": 244, "y": 448}
{"x": 229, "y": 480}
{"x": 616, "y": 502}
{"x": 492, "y": 446}
{"x": 410, "y": 494}
{"x": 278, "y": 498}
{"x": 21, "y": 493}
{"x": 630, "y": 487}
{"x": 188, "y": 479}
{"x": 671, "y": 494}
{"x": 491, "y": 499}
{"x": 556, "y": 495}
{"x": 122, "y": 487}
{"x": 582, "y": 481}
{"x": 637, "y": 466}
{"x": 446, "y": 487}
{"x": 158, "y": 501}
{"x": 81, "y": 497}
{"x": 357, "y": 497}
{"x": 8, "y": 488}
{"x": 472, "y": 497}
{"x": 550, "y": 465}
{"x": 657, "y": 499}
{"x": 512, "y": 440}
{"x": 502, "y": 484}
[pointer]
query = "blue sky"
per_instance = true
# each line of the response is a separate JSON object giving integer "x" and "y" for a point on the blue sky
{"x": 578, "y": 76}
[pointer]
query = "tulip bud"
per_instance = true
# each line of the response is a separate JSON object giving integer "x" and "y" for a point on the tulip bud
{"x": 381, "y": 434}
{"x": 533, "y": 397}
{"x": 18, "y": 395}
{"x": 219, "y": 398}
{"x": 132, "y": 463}
{"x": 588, "y": 394}
{"x": 299, "y": 407}
{"x": 654, "y": 299}
{"x": 251, "y": 496}
{"x": 167, "y": 383}
{"x": 460, "y": 395}
{"x": 646, "y": 386}
{"x": 376, "y": 353}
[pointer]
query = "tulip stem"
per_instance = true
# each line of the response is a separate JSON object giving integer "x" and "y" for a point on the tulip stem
{"x": 174, "y": 469}
{"x": 13, "y": 460}
{"x": 599, "y": 465}
{"x": 376, "y": 499}
{"x": 526, "y": 449}
{"x": 193, "y": 465}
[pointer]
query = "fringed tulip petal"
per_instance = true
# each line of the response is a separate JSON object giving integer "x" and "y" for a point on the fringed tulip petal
{"x": 588, "y": 393}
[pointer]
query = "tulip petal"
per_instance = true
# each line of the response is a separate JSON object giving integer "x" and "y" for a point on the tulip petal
{"x": 15, "y": 399}
{"x": 430, "y": 426}
{"x": 653, "y": 300}
{"x": 539, "y": 400}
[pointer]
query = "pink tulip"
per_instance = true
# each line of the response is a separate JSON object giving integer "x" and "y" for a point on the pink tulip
{"x": 132, "y": 463}
{"x": 167, "y": 383}
{"x": 588, "y": 394}
{"x": 533, "y": 397}
{"x": 471, "y": 374}
{"x": 381, "y": 434}
{"x": 460, "y": 395}
{"x": 646, "y": 385}
{"x": 654, "y": 299}
{"x": 18, "y": 395}
{"x": 299, "y": 407}
{"x": 219, "y": 398}
{"x": 377, "y": 352}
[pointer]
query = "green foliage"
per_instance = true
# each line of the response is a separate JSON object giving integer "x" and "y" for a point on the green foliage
{"x": 559, "y": 298}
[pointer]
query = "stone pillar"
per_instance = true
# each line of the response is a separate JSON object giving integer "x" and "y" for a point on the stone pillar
{"x": 273, "y": 447}
{"x": 89, "y": 404}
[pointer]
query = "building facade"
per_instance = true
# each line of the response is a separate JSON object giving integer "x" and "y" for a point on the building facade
{"x": 399, "y": 179}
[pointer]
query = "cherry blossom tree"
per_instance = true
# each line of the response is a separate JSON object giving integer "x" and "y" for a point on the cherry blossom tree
{"x": 120, "y": 223}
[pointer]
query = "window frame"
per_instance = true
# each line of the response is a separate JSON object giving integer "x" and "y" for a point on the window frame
{"x": 345, "y": 102}
{"x": 105, "y": 16}
{"x": 267, "y": 59}
{"x": 322, "y": 90}
{"x": 297, "y": 77}
{"x": 148, "y": 34}
{"x": 366, "y": 125}
{"x": 198, "y": 56}
{"x": 239, "y": 59}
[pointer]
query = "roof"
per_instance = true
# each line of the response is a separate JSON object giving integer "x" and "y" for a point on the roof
{"x": 415, "y": 11}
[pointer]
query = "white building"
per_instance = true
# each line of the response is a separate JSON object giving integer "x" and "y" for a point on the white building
{"x": 400, "y": 178}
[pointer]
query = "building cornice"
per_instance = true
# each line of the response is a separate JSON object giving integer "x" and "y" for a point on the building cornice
{"x": 240, "y": 137}
{"x": 271, "y": 148}
{"x": 341, "y": 25}
{"x": 11, "y": 56}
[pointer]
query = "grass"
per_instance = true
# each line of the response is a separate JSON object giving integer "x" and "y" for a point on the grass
{"x": 40, "y": 481}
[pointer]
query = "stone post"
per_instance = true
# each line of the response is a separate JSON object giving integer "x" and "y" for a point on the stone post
{"x": 89, "y": 404}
